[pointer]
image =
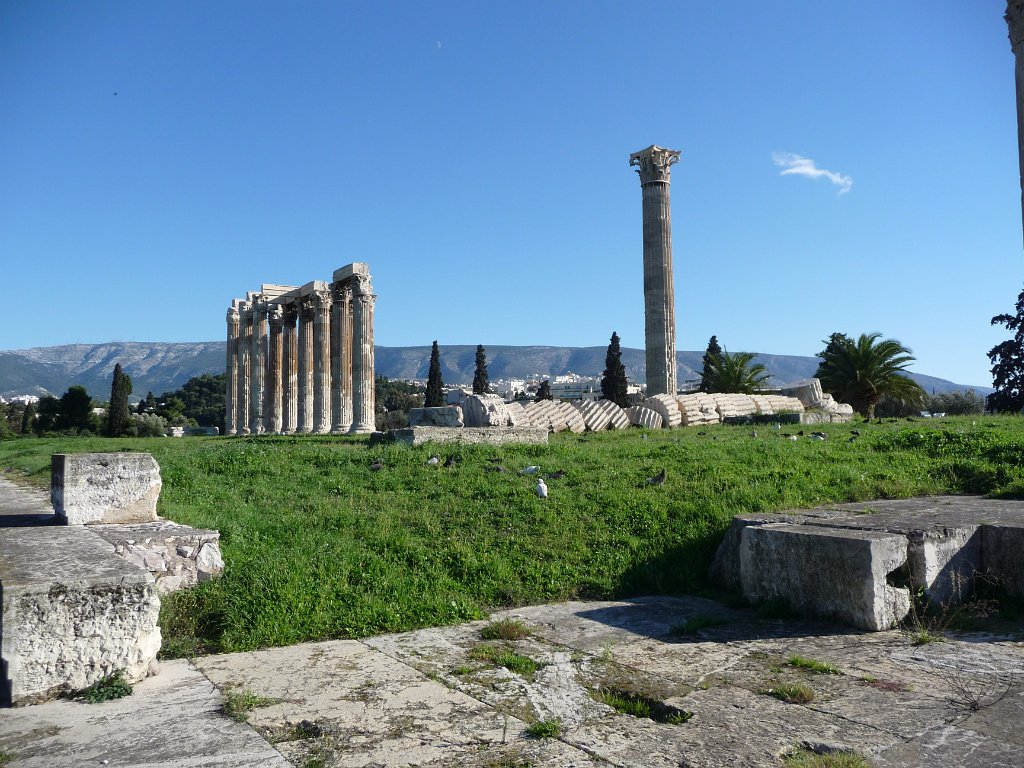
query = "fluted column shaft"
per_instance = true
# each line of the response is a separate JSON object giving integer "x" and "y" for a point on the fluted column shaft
{"x": 341, "y": 359}
{"x": 363, "y": 416}
{"x": 257, "y": 395}
{"x": 290, "y": 378}
{"x": 275, "y": 384}
{"x": 305, "y": 409}
{"x": 659, "y": 290}
{"x": 244, "y": 368}
{"x": 321, "y": 362}
{"x": 1015, "y": 21}
{"x": 231, "y": 387}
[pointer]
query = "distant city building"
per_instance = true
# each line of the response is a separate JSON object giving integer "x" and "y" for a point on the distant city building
{"x": 23, "y": 399}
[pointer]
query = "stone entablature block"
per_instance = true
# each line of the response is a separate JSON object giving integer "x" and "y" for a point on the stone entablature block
{"x": 439, "y": 416}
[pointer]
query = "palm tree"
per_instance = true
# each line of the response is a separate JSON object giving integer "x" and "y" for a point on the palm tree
{"x": 734, "y": 374}
{"x": 864, "y": 371}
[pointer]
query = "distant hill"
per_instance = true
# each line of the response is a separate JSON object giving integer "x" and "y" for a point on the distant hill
{"x": 162, "y": 367}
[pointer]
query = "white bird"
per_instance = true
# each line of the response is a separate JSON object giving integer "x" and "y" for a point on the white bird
{"x": 542, "y": 489}
{"x": 434, "y": 460}
{"x": 530, "y": 470}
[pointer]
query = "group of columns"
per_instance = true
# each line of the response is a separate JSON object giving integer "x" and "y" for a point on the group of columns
{"x": 301, "y": 359}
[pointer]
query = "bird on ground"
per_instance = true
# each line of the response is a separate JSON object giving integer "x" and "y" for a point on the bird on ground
{"x": 451, "y": 460}
{"x": 556, "y": 475}
{"x": 496, "y": 469}
{"x": 776, "y": 427}
{"x": 801, "y": 433}
{"x": 434, "y": 460}
{"x": 819, "y": 435}
{"x": 701, "y": 434}
{"x": 658, "y": 479}
{"x": 376, "y": 466}
{"x": 753, "y": 433}
{"x": 792, "y": 437}
{"x": 852, "y": 439}
{"x": 542, "y": 489}
{"x": 530, "y": 470}
{"x": 855, "y": 432}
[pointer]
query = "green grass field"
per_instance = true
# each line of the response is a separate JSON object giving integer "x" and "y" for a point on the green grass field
{"x": 319, "y": 546}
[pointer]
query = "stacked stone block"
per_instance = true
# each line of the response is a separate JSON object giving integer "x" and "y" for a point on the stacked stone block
{"x": 484, "y": 411}
{"x": 771, "y": 405}
{"x": 667, "y": 407}
{"x": 734, "y": 406}
{"x": 697, "y": 409}
{"x": 641, "y": 416}
{"x": 517, "y": 415}
{"x": 595, "y": 418}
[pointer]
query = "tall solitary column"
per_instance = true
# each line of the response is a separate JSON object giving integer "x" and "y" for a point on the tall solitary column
{"x": 290, "y": 378}
{"x": 305, "y": 410}
{"x": 321, "y": 301}
{"x": 230, "y": 413}
{"x": 259, "y": 367}
{"x": 244, "y": 366}
{"x": 341, "y": 359}
{"x": 363, "y": 299}
{"x": 275, "y": 388}
{"x": 659, "y": 292}
{"x": 1015, "y": 21}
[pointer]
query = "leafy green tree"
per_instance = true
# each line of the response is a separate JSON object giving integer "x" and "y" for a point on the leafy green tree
{"x": 544, "y": 390}
{"x": 393, "y": 401}
{"x": 965, "y": 403}
{"x": 200, "y": 400}
{"x": 864, "y": 371}
{"x": 117, "y": 411}
{"x": 613, "y": 378}
{"x": 1007, "y": 360}
{"x": 6, "y": 433}
{"x": 28, "y": 417}
{"x": 481, "y": 383}
{"x": 734, "y": 374}
{"x": 48, "y": 410}
{"x": 435, "y": 386}
{"x": 76, "y": 411}
{"x": 712, "y": 353}
{"x": 835, "y": 343}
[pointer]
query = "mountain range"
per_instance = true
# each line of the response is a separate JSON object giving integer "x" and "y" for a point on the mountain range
{"x": 160, "y": 367}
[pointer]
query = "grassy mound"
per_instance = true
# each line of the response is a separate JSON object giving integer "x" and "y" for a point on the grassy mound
{"x": 319, "y": 545}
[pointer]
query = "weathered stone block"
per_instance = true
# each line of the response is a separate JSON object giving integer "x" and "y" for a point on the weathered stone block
{"x": 668, "y": 408}
{"x": 807, "y": 391}
{"x": 619, "y": 419}
{"x": 73, "y": 613}
{"x": 517, "y": 415}
{"x": 471, "y": 435}
{"x": 1002, "y": 546}
{"x": 104, "y": 487}
{"x": 640, "y": 416}
{"x": 828, "y": 572}
{"x": 443, "y": 416}
{"x": 595, "y": 418}
{"x": 177, "y": 556}
{"x": 484, "y": 411}
{"x": 571, "y": 417}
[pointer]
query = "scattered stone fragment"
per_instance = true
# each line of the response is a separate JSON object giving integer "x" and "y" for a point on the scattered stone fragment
{"x": 641, "y": 416}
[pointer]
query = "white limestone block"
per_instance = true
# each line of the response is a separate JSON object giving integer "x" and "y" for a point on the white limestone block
{"x": 641, "y": 416}
{"x": 666, "y": 406}
{"x": 484, "y": 411}
{"x": 104, "y": 487}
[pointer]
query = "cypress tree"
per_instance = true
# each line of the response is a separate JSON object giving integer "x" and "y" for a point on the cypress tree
{"x": 613, "y": 380}
{"x": 544, "y": 390}
{"x": 435, "y": 387}
{"x": 711, "y": 355}
{"x": 27, "y": 418}
{"x": 117, "y": 413}
{"x": 480, "y": 380}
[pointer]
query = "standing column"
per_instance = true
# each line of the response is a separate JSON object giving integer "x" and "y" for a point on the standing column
{"x": 659, "y": 293}
{"x": 321, "y": 302}
{"x": 259, "y": 366}
{"x": 1015, "y": 21}
{"x": 305, "y": 410}
{"x": 230, "y": 415}
{"x": 275, "y": 388}
{"x": 363, "y": 417}
{"x": 289, "y": 410}
{"x": 244, "y": 367}
{"x": 341, "y": 358}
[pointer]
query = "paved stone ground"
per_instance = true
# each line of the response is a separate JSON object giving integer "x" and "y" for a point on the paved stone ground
{"x": 427, "y": 698}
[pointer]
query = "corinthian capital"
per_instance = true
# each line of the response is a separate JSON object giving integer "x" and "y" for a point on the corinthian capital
{"x": 276, "y": 315}
{"x": 361, "y": 285}
{"x": 1015, "y": 21}
{"x": 653, "y": 163}
{"x": 320, "y": 300}
{"x": 232, "y": 316}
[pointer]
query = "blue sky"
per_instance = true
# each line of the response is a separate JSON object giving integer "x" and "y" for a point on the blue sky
{"x": 159, "y": 159}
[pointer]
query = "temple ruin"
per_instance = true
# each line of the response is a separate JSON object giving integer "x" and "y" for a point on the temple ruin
{"x": 300, "y": 359}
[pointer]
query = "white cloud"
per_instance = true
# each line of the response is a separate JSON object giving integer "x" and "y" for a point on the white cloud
{"x": 795, "y": 165}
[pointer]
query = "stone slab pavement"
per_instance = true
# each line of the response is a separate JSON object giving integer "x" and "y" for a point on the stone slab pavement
{"x": 432, "y": 698}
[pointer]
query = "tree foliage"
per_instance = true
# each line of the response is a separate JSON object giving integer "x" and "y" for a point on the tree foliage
{"x": 734, "y": 374}
{"x": 117, "y": 411}
{"x": 613, "y": 380}
{"x": 1007, "y": 360}
{"x": 435, "y": 386}
{"x": 481, "y": 382}
{"x": 544, "y": 390}
{"x": 199, "y": 400}
{"x": 393, "y": 395}
{"x": 711, "y": 354}
{"x": 864, "y": 371}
